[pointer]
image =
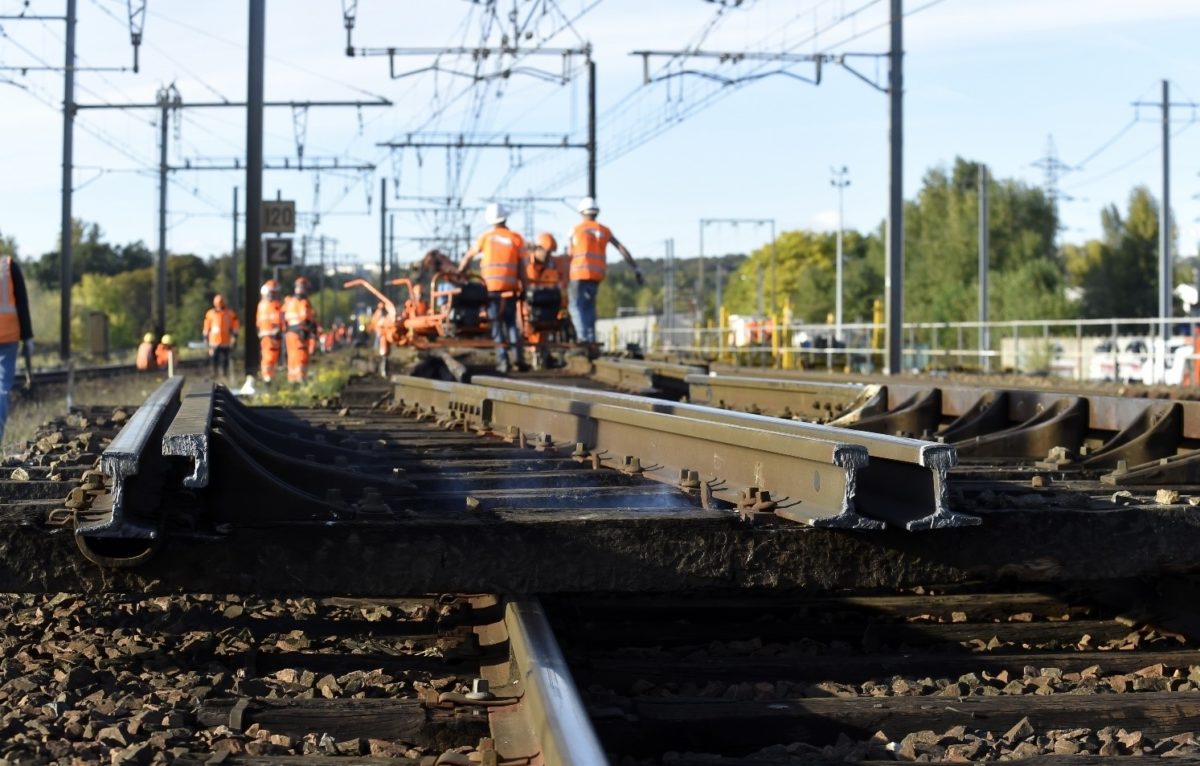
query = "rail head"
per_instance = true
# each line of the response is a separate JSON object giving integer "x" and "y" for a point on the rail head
{"x": 188, "y": 435}
{"x": 555, "y": 708}
{"x": 123, "y": 456}
{"x": 133, "y": 464}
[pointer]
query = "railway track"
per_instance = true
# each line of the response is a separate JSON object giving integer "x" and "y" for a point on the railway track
{"x": 96, "y": 372}
{"x": 965, "y": 675}
{"x": 728, "y": 587}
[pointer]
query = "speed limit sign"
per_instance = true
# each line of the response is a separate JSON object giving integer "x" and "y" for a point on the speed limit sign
{"x": 279, "y": 217}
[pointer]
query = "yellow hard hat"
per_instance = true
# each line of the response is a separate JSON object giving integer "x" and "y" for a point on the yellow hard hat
{"x": 167, "y": 340}
{"x": 148, "y": 337}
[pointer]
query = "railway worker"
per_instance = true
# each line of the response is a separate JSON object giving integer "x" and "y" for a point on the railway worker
{"x": 145, "y": 353}
{"x": 15, "y": 329}
{"x": 501, "y": 248}
{"x": 589, "y": 263}
{"x": 164, "y": 353}
{"x": 541, "y": 267}
{"x": 300, "y": 318}
{"x": 541, "y": 271}
{"x": 270, "y": 325}
{"x": 220, "y": 330}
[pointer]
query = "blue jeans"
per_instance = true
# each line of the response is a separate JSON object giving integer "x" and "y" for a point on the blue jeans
{"x": 502, "y": 315}
{"x": 8, "y": 372}
{"x": 582, "y": 297}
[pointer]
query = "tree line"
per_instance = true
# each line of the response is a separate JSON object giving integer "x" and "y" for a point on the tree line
{"x": 1030, "y": 276}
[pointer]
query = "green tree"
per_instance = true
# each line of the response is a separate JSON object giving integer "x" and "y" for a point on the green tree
{"x": 1118, "y": 275}
{"x": 941, "y": 229}
{"x": 90, "y": 254}
{"x": 806, "y": 276}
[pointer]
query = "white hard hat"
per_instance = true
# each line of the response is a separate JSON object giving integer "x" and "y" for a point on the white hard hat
{"x": 496, "y": 213}
{"x": 588, "y": 205}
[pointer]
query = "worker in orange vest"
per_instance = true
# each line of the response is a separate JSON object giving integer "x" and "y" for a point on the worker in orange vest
{"x": 589, "y": 263}
{"x": 269, "y": 321}
{"x": 300, "y": 319}
{"x": 541, "y": 272}
{"x": 16, "y": 330}
{"x": 164, "y": 352}
{"x": 220, "y": 330}
{"x": 145, "y": 353}
{"x": 501, "y": 248}
{"x": 541, "y": 267}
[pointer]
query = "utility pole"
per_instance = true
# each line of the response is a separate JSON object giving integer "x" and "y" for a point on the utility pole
{"x": 65, "y": 274}
{"x": 839, "y": 181}
{"x": 669, "y": 287}
{"x": 699, "y": 320}
{"x": 894, "y": 273}
{"x": 591, "y": 142}
{"x": 1165, "y": 277}
{"x": 322, "y": 277}
{"x": 256, "y": 50}
{"x": 168, "y": 99}
{"x": 985, "y": 340}
{"x": 233, "y": 261}
{"x": 383, "y": 282}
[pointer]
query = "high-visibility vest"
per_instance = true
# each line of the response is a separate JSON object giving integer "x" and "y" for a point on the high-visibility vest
{"x": 298, "y": 313}
{"x": 10, "y": 325}
{"x": 162, "y": 354}
{"x": 541, "y": 274}
{"x": 219, "y": 326}
{"x": 501, "y": 250}
{"x": 145, "y": 356}
{"x": 270, "y": 318}
{"x": 589, "y": 246}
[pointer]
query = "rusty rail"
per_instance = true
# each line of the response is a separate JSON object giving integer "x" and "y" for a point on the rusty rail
{"x": 904, "y": 482}
{"x": 1121, "y": 440}
{"x": 549, "y": 722}
{"x": 757, "y": 464}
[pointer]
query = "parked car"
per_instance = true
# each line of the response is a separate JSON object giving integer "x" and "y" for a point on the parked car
{"x": 1128, "y": 365}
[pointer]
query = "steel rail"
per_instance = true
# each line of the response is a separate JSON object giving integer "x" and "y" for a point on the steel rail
{"x": 550, "y": 723}
{"x": 1105, "y": 412}
{"x": 134, "y": 465}
{"x": 644, "y": 377}
{"x": 760, "y": 472}
{"x": 59, "y": 376}
{"x": 904, "y": 482}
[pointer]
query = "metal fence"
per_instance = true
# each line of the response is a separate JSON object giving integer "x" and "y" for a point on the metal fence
{"x": 1122, "y": 349}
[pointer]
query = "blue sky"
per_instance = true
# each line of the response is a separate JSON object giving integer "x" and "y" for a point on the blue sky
{"x": 989, "y": 80}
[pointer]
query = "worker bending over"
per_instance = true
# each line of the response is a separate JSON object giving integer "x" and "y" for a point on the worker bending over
{"x": 164, "y": 353}
{"x": 220, "y": 330}
{"x": 145, "y": 353}
{"x": 269, "y": 321}
{"x": 541, "y": 274}
{"x": 589, "y": 253}
{"x": 501, "y": 249}
{"x": 301, "y": 320}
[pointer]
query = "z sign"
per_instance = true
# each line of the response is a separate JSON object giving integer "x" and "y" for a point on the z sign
{"x": 278, "y": 252}
{"x": 279, "y": 217}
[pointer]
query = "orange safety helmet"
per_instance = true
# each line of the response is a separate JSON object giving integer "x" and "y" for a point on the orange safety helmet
{"x": 546, "y": 240}
{"x": 302, "y": 286}
{"x": 218, "y": 301}
{"x": 270, "y": 286}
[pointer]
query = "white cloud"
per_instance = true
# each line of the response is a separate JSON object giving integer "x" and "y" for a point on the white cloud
{"x": 824, "y": 220}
